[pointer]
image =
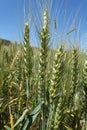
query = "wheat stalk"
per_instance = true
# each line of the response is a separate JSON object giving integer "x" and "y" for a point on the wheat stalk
{"x": 11, "y": 118}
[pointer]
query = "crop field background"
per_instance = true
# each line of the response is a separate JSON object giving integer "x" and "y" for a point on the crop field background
{"x": 43, "y": 87}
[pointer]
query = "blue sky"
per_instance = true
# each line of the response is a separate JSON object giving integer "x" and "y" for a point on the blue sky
{"x": 12, "y": 17}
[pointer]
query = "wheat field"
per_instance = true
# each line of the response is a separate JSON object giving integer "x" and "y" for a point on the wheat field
{"x": 42, "y": 88}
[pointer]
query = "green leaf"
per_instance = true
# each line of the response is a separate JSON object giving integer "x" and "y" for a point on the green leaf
{"x": 31, "y": 118}
{"x": 27, "y": 124}
{"x": 1, "y": 105}
{"x": 37, "y": 109}
{"x": 21, "y": 118}
{"x": 7, "y": 127}
{"x": 35, "y": 112}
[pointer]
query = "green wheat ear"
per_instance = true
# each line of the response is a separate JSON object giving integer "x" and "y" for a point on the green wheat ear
{"x": 74, "y": 74}
{"x": 27, "y": 59}
{"x": 44, "y": 36}
{"x": 59, "y": 113}
{"x": 85, "y": 76}
{"x": 27, "y": 52}
{"x": 55, "y": 87}
{"x": 57, "y": 74}
{"x": 85, "y": 89}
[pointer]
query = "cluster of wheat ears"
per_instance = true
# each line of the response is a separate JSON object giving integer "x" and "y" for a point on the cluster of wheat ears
{"x": 46, "y": 90}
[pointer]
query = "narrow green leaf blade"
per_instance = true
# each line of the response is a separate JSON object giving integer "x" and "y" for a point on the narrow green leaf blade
{"x": 7, "y": 127}
{"x": 21, "y": 118}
